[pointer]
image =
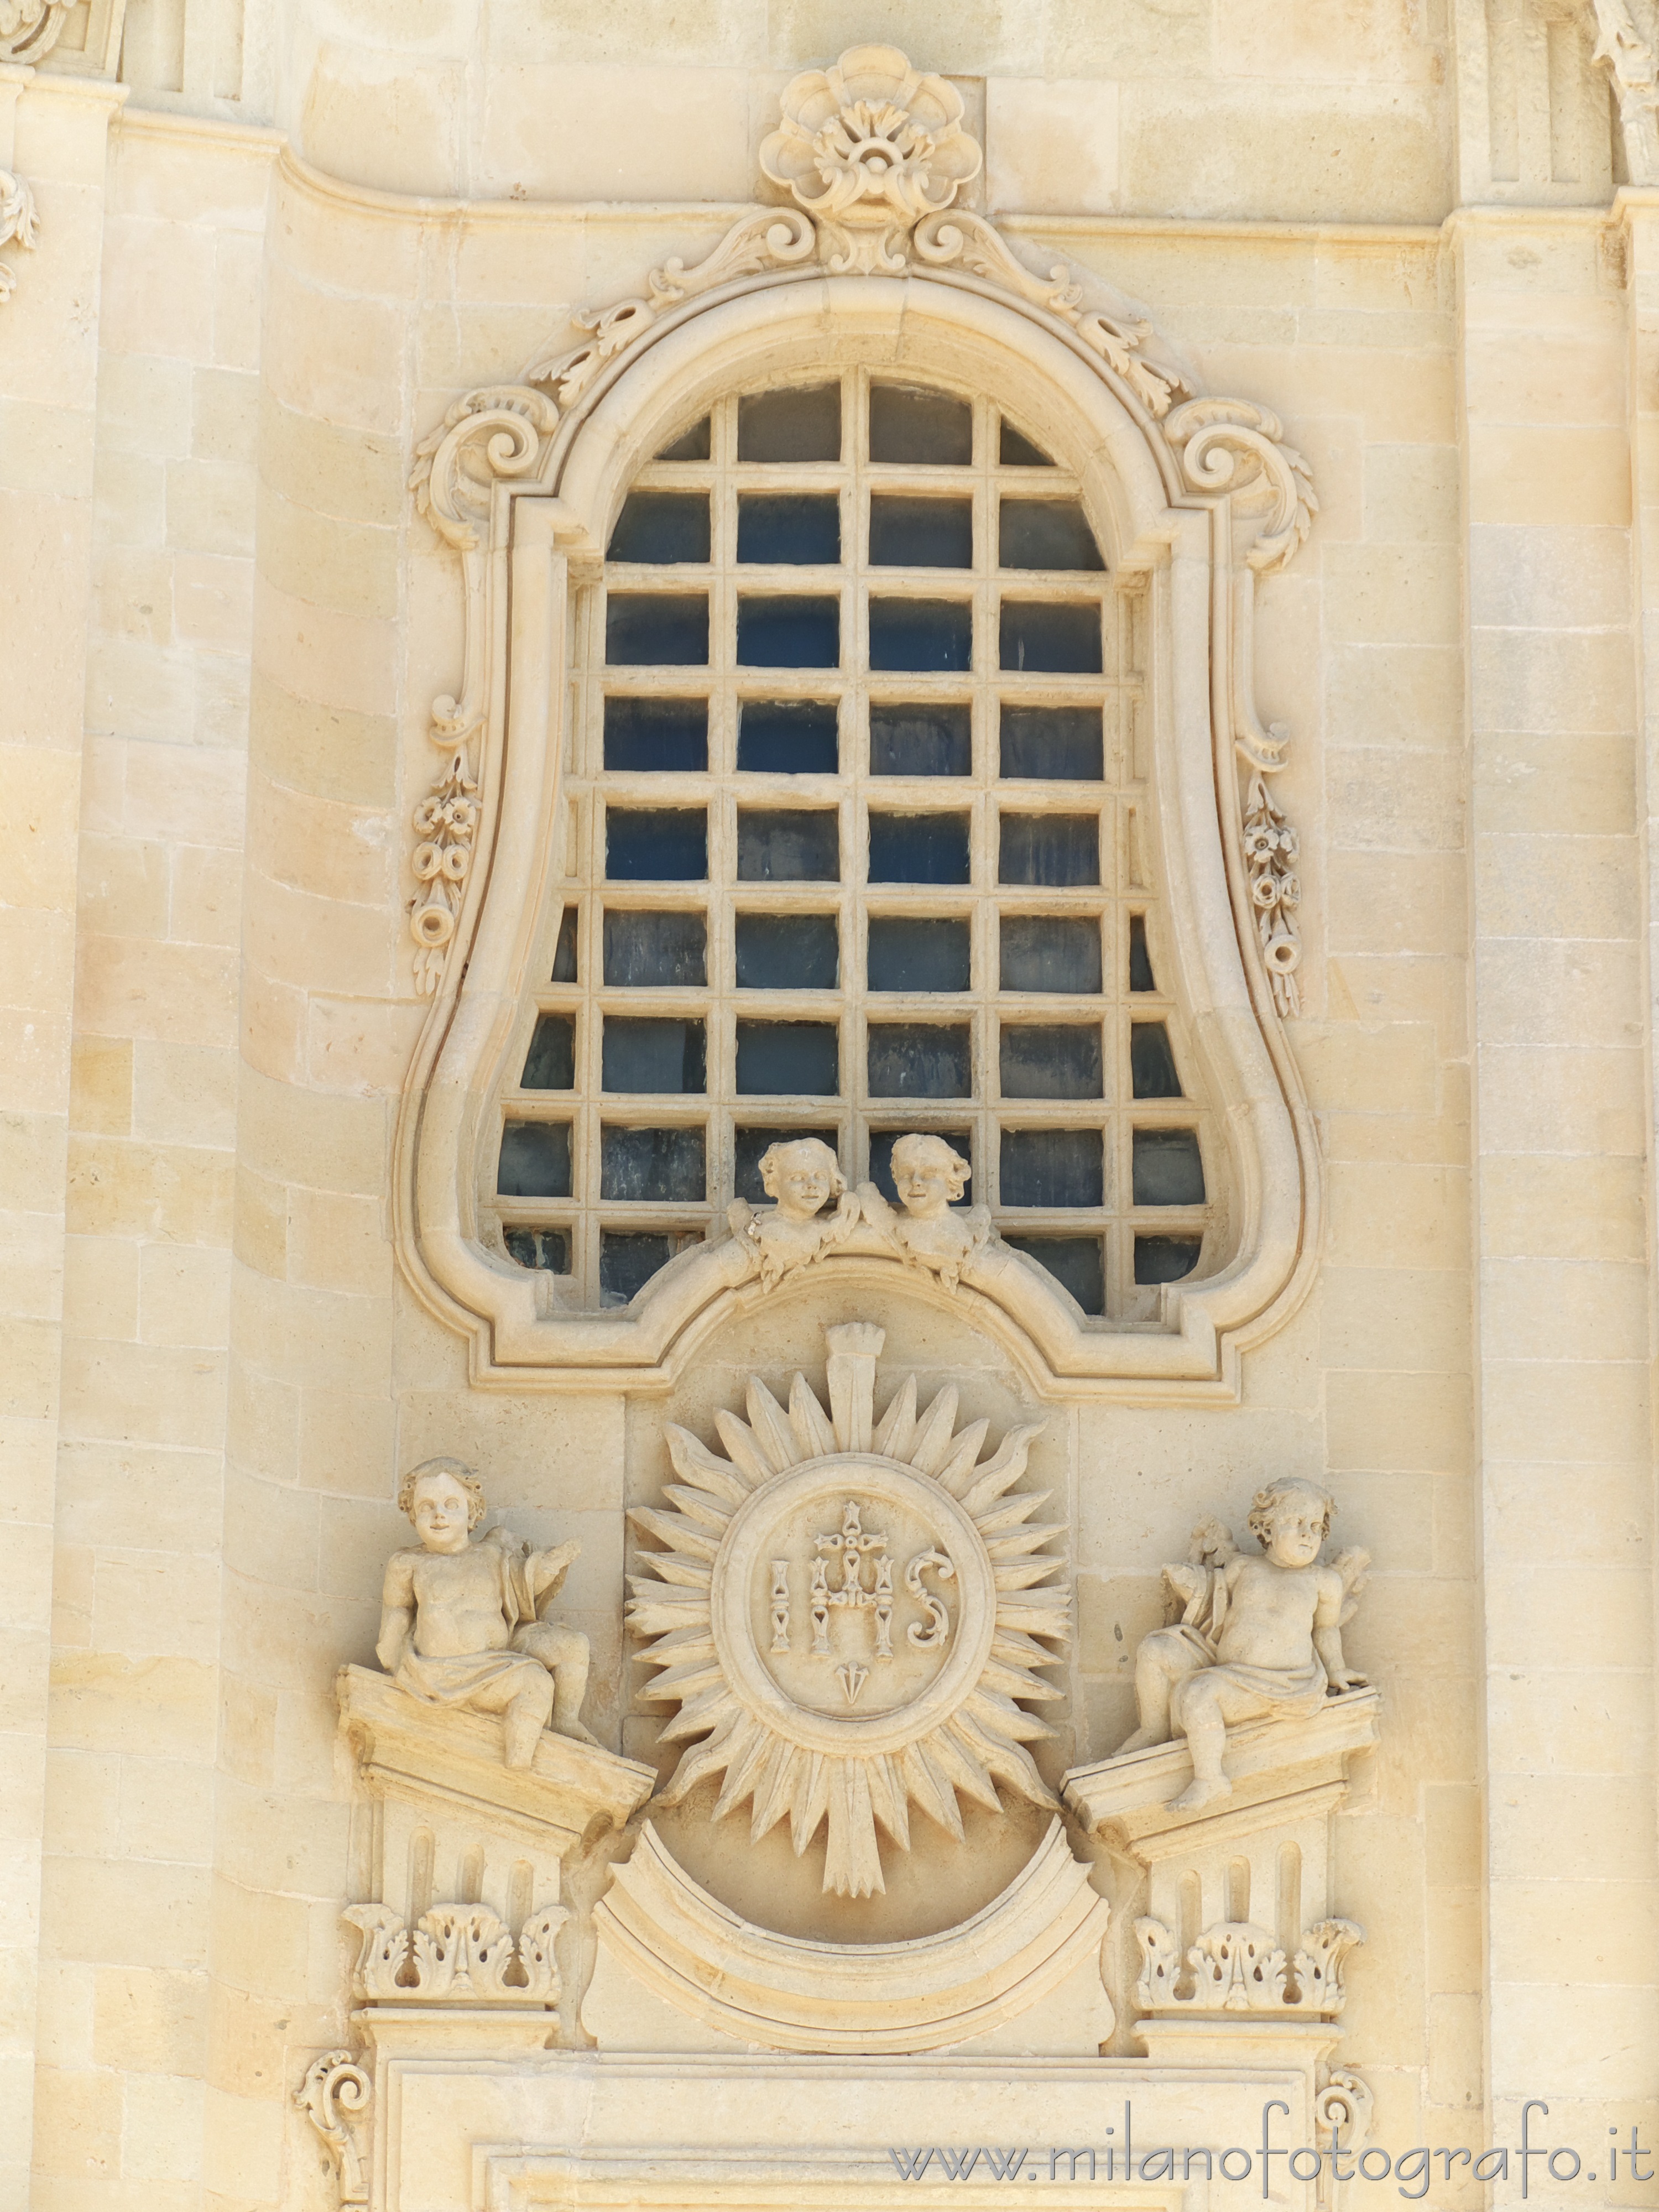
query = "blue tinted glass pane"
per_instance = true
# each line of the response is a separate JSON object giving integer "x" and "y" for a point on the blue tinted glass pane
{"x": 1078, "y": 1263}
{"x": 1017, "y": 451}
{"x": 779, "y": 845}
{"x": 535, "y": 1160}
{"x": 788, "y": 632}
{"x": 910, "y": 423}
{"x": 1152, "y": 1071}
{"x": 1166, "y": 1258}
{"x": 656, "y": 735}
{"x": 788, "y": 1059}
{"x": 788, "y": 737}
{"x": 1046, "y": 533}
{"x": 920, "y": 740}
{"x": 665, "y": 1165}
{"x": 1052, "y": 849}
{"x": 918, "y": 848}
{"x": 792, "y": 528}
{"x": 1050, "y": 952}
{"x": 550, "y": 1062}
{"x": 882, "y": 1142}
{"x": 656, "y": 844}
{"x": 787, "y": 952}
{"x": 1053, "y": 1167}
{"x": 1169, "y": 1169}
{"x": 748, "y": 1147}
{"x": 1053, "y": 743}
{"x": 1050, "y": 1060}
{"x": 1140, "y": 960}
{"x": 547, "y": 1250}
{"x": 692, "y": 445}
{"x": 564, "y": 953}
{"x": 917, "y": 955}
{"x": 922, "y": 633}
{"x": 661, "y": 527}
{"x": 646, "y": 627}
{"x": 921, "y": 533}
{"x": 920, "y": 1060}
{"x": 1052, "y": 640}
{"x": 645, "y": 1052}
{"x": 799, "y": 424}
{"x": 629, "y": 1258}
{"x": 660, "y": 950}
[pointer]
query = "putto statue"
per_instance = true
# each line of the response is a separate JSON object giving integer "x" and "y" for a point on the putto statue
{"x": 802, "y": 1176}
{"x": 460, "y": 1622}
{"x": 930, "y": 1175}
{"x": 1255, "y": 1639}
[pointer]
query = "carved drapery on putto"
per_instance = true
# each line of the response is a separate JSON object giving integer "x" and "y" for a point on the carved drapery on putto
{"x": 29, "y": 29}
{"x": 337, "y": 2089}
{"x": 874, "y": 153}
{"x": 18, "y": 222}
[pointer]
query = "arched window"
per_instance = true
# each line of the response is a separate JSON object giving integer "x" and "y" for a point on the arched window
{"x": 856, "y": 839}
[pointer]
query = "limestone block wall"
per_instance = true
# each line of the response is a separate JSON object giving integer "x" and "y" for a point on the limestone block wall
{"x": 136, "y": 1724}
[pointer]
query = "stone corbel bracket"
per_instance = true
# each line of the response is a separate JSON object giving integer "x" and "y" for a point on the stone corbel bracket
{"x": 518, "y": 480}
{"x": 334, "y": 2096}
{"x": 1236, "y": 1929}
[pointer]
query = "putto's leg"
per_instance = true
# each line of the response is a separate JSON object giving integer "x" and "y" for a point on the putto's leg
{"x": 564, "y": 1653}
{"x": 1199, "y": 1716}
{"x": 1163, "y": 1661}
{"x": 524, "y": 1720}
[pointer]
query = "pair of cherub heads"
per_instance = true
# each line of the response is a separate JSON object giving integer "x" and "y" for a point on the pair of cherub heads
{"x": 801, "y": 1176}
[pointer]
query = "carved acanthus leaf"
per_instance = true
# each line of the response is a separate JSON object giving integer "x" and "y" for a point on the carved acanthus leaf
{"x": 456, "y": 1953}
{"x": 1236, "y": 1967}
{"x": 1234, "y": 446}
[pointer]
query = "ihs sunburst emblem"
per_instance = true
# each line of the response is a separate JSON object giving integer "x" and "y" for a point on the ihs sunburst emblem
{"x": 849, "y": 1613}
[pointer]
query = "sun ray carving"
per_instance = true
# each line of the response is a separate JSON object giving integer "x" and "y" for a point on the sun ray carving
{"x": 850, "y": 1614}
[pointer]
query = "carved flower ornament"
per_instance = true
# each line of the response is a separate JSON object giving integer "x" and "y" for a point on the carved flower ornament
{"x": 871, "y": 146}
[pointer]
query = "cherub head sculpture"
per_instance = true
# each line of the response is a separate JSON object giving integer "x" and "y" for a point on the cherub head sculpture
{"x": 929, "y": 1175}
{"x": 1292, "y": 1514}
{"x": 435, "y": 1495}
{"x": 803, "y": 1176}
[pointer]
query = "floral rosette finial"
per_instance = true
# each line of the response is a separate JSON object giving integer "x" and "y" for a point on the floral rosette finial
{"x": 869, "y": 147}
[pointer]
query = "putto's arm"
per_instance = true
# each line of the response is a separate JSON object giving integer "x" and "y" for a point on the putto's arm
{"x": 1329, "y": 1616}
{"x": 396, "y": 1611}
{"x": 547, "y": 1570}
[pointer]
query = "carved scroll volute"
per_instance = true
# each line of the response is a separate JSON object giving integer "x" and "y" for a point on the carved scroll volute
{"x": 29, "y": 29}
{"x": 336, "y": 2091}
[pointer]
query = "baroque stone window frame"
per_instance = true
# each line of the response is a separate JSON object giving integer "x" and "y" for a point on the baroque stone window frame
{"x": 1198, "y": 498}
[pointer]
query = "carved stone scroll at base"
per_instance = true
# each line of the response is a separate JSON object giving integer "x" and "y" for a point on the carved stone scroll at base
{"x": 336, "y": 2089}
{"x": 660, "y": 1931}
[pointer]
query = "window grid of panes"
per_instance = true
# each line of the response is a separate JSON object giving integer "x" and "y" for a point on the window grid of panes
{"x": 853, "y": 849}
